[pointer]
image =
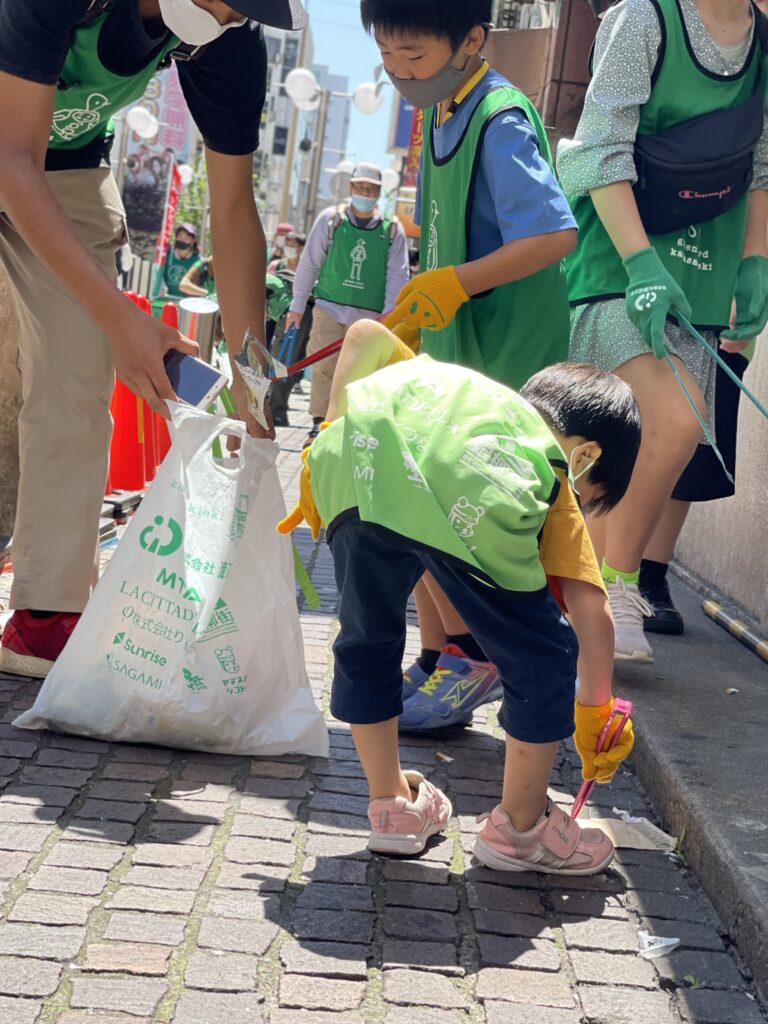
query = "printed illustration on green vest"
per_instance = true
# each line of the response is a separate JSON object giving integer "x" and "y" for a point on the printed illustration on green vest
{"x": 221, "y": 622}
{"x": 432, "y": 250}
{"x": 69, "y": 124}
{"x": 163, "y": 542}
{"x": 358, "y": 256}
{"x": 464, "y": 517}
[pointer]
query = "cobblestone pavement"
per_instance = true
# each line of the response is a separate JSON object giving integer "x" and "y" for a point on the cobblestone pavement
{"x": 142, "y": 884}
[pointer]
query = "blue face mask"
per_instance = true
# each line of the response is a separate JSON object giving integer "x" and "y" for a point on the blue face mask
{"x": 365, "y": 204}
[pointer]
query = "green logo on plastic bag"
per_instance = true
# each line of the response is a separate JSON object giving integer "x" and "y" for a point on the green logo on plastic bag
{"x": 163, "y": 542}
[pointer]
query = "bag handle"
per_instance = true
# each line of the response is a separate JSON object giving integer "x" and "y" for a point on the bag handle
{"x": 194, "y": 430}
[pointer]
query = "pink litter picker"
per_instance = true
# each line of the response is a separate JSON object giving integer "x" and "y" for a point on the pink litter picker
{"x": 618, "y": 718}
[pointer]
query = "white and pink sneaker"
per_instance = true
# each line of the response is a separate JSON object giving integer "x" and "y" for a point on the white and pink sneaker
{"x": 403, "y": 826}
{"x": 556, "y": 845}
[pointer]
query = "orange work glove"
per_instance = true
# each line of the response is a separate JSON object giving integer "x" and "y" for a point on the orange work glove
{"x": 305, "y": 507}
{"x": 589, "y": 725}
{"x": 429, "y": 300}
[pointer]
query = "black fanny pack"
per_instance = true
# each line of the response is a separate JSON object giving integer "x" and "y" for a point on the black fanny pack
{"x": 700, "y": 168}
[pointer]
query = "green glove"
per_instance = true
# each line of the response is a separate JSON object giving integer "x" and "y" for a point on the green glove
{"x": 751, "y": 295}
{"x": 651, "y": 292}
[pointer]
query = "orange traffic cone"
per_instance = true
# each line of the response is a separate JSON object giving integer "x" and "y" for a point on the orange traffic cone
{"x": 126, "y": 453}
{"x": 170, "y": 315}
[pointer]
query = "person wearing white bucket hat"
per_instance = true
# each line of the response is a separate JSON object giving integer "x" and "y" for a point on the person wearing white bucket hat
{"x": 65, "y": 70}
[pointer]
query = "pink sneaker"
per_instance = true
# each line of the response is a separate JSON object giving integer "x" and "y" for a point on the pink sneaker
{"x": 401, "y": 826}
{"x": 555, "y": 845}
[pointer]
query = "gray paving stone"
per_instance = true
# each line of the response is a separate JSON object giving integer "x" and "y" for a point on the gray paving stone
{"x": 528, "y": 987}
{"x": 228, "y": 972}
{"x": 166, "y": 855}
{"x": 92, "y": 831}
{"x": 259, "y": 878}
{"x": 276, "y": 769}
{"x": 159, "y": 901}
{"x": 703, "y": 1006}
{"x": 274, "y": 787}
{"x": 534, "y": 954}
{"x": 243, "y": 905}
{"x": 325, "y": 959}
{"x": 141, "y": 755}
{"x": 207, "y": 792}
{"x": 38, "y": 940}
{"x": 269, "y": 807}
{"x": 606, "y": 1005}
{"x": 69, "y": 880}
{"x": 9, "y": 765}
{"x": 335, "y": 869}
{"x": 415, "y": 871}
{"x": 29, "y": 813}
{"x": 13, "y": 863}
{"x": 670, "y": 907}
{"x": 23, "y": 976}
{"x": 426, "y": 956}
{"x": 112, "y": 810}
{"x": 596, "y": 933}
{"x": 714, "y": 970}
{"x": 218, "y": 1008}
{"x": 197, "y": 771}
{"x": 134, "y": 772}
{"x": 426, "y": 1015}
{"x": 321, "y": 994}
{"x": 24, "y": 838}
{"x": 17, "y": 748}
{"x": 419, "y": 988}
{"x": 499, "y": 922}
{"x": 333, "y": 896}
{"x": 337, "y": 846}
{"x": 518, "y": 1013}
{"x": 139, "y": 996}
{"x": 127, "y": 958}
{"x": 164, "y": 877}
{"x": 99, "y": 857}
{"x": 421, "y": 895}
{"x": 332, "y": 822}
{"x": 72, "y": 778}
{"x": 243, "y": 850}
{"x": 48, "y": 908}
{"x": 207, "y": 812}
{"x": 279, "y": 1016}
{"x": 80, "y": 743}
{"x": 52, "y": 758}
{"x": 237, "y": 936}
{"x": 19, "y": 1011}
{"x": 601, "y": 968}
{"x": 333, "y": 925}
{"x": 131, "y": 792}
{"x": 160, "y": 929}
{"x": 692, "y": 936}
{"x": 181, "y": 833}
{"x": 588, "y": 904}
{"x": 343, "y": 803}
{"x": 405, "y": 923}
{"x": 494, "y": 897}
{"x": 263, "y": 828}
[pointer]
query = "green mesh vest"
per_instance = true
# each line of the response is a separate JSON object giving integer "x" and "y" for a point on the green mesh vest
{"x": 702, "y": 258}
{"x": 89, "y": 93}
{"x": 447, "y": 458}
{"x": 501, "y": 333}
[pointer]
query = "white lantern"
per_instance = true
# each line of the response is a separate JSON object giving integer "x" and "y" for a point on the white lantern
{"x": 311, "y": 104}
{"x": 367, "y": 98}
{"x": 142, "y": 121}
{"x": 300, "y": 84}
{"x": 186, "y": 174}
{"x": 345, "y": 167}
{"x": 389, "y": 180}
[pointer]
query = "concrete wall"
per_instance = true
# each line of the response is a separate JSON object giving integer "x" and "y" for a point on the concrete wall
{"x": 10, "y": 401}
{"x": 725, "y": 541}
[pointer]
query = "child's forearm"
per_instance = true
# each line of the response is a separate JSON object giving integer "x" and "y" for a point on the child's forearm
{"x": 617, "y": 209}
{"x": 755, "y": 240}
{"x": 590, "y": 615}
{"x": 516, "y": 260}
{"x": 368, "y": 346}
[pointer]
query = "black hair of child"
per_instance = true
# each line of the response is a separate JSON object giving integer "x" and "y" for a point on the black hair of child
{"x": 580, "y": 400}
{"x": 445, "y": 19}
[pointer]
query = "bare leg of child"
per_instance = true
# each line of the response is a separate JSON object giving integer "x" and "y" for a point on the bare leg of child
{"x": 377, "y": 748}
{"x": 433, "y": 634}
{"x": 368, "y": 347}
{"x": 527, "y": 768}
{"x": 453, "y": 624}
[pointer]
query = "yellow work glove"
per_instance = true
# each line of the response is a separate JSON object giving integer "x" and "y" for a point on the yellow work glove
{"x": 305, "y": 506}
{"x": 429, "y": 301}
{"x": 410, "y": 336}
{"x": 589, "y": 725}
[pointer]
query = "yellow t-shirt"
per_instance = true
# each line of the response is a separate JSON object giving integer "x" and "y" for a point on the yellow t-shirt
{"x": 400, "y": 353}
{"x": 565, "y": 548}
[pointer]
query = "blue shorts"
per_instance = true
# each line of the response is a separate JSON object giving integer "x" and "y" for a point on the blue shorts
{"x": 524, "y": 635}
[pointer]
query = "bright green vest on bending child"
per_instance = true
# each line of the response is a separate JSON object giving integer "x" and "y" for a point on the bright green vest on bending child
{"x": 512, "y": 331}
{"x": 89, "y": 93}
{"x": 447, "y": 458}
{"x": 355, "y": 269}
{"x": 703, "y": 258}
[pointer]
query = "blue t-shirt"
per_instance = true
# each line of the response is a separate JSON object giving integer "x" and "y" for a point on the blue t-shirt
{"x": 516, "y": 195}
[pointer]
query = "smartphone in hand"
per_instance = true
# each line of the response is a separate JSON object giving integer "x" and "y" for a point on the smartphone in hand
{"x": 194, "y": 381}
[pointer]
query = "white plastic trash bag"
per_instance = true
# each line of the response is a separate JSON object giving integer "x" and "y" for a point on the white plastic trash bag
{"x": 192, "y": 637}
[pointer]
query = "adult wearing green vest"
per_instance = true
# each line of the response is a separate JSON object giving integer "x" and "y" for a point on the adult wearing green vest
{"x": 356, "y": 262}
{"x": 495, "y": 227}
{"x": 668, "y": 173}
{"x": 200, "y": 279}
{"x": 65, "y": 69}
{"x": 181, "y": 256}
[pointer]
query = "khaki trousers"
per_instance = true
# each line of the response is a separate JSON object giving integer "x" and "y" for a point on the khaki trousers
{"x": 65, "y": 426}
{"x": 324, "y": 330}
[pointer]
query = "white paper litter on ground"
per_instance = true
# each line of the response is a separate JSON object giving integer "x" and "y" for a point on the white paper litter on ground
{"x": 654, "y": 946}
{"x": 635, "y": 834}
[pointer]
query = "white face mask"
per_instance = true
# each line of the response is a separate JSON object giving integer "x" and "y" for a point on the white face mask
{"x": 577, "y": 476}
{"x": 291, "y": 252}
{"x": 192, "y": 24}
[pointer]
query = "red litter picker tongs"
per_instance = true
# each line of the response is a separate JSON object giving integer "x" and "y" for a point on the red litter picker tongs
{"x": 618, "y": 718}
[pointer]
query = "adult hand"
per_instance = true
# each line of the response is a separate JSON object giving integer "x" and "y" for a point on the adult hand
{"x": 589, "y": 725}
{"x": 651, "y": 294}
{"x": 751, "y": 295}
{"x": 139, "y": 343}
{"x": 429, "y": 300}
{"x": 239, "y": 394}
{"x": 293, "y": 320}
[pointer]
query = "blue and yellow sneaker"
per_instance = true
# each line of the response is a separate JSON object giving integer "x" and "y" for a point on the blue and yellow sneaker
{"x": 456, "y": 688}
{"x": 413, "y": 678}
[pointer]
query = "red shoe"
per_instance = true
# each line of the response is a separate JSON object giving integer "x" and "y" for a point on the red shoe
{"x": 30, "y": 646}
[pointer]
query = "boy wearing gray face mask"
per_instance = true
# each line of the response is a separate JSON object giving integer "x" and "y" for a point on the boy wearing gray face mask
{"x": 491, "y": 294}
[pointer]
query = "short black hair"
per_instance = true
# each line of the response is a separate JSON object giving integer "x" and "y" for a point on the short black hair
{"x": 294, "y": 236}
{"x": 446, "y": 19}
{"x": 580, "y": 400}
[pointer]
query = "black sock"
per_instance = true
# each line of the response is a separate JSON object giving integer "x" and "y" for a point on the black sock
{"x": 317, "y": 420}
{"x": 652, "y": 572}
{"x": 427, "y": 660}
{"x": 468, "y": 644}
{"x": 41, "y": 615}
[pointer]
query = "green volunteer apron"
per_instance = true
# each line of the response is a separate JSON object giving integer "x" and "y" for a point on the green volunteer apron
{"x": 174, "y": 270}
{"x": 703, "y": 258}
{"x": 355, "y": 269}
{"x": 512, "y": 331}
{"x": 447, "y": 458}
{"x": 89, "y": 93}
